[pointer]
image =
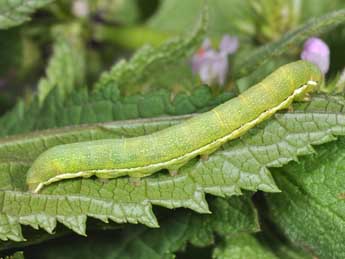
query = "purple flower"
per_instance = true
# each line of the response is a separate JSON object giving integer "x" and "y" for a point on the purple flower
{"x": 198, "y": 58}
{"x": 316, "y": 51}
{"x": 228, "y": 45}
{"x": 211, "y": 65}
{"x": 213, "y": 68}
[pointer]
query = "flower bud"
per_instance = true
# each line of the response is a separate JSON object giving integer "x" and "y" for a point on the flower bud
{"x": 316, "y": 51}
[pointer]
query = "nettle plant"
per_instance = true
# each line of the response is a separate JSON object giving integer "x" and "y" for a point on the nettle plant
{"x": 223, "y": 142}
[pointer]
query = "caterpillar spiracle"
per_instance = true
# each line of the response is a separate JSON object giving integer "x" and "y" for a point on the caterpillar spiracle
{"x": 173, "y": 147}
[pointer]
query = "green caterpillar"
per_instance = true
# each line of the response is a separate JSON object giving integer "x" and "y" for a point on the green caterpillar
{"x": 172, "y": 147}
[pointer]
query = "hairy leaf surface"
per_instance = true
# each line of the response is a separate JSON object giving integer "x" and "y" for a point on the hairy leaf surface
{"x": 310, "y": 209}
{"x": 66, "y": 68}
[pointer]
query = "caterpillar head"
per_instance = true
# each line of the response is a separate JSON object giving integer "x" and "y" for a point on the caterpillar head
{"x": 313, "y": 83}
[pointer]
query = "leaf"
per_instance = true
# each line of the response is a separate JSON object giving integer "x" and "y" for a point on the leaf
{"x": 230, "y": 216}
{"x": 149, "y": 60}
{"x": 272, "y": 239}
{"x": 66, "y": 68}
{"x": 313, "y": 9}
{"x": 241, "y": 164}
{"x": 310, "y": 210}
{"x": 242, "y": 246}
{"x": 246, "y": 245}
{"x": 224, "y": 16}
{"x": 313, "y": 27}
{"x": 15, "y": 12}
{"x": 37, "y": 237}
{"x": 107, "y": 105}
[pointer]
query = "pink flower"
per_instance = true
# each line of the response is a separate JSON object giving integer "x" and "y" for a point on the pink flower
{"x": 316, "y": 51}
{"x": 211, "y": 65}
{"x": 198, "y": 58}
{"x": 228, "y": 45}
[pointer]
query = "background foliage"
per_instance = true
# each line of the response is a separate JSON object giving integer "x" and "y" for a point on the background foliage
{"x": 84, "y": 70}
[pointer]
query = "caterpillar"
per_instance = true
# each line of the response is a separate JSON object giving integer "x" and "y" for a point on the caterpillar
{"x": 174, "y": 146}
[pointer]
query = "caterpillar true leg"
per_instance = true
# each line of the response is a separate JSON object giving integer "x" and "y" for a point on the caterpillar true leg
{"x": 204, "y": 157}
{"x": 173, "y": 172}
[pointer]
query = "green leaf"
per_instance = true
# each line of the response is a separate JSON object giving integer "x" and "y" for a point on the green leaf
{"x": 310, "y": 210}
{"x": 149, "y": 61}
{"x": 106, "y": 105}
{"x": 66, "y": 68}
{"x": 224, "y": 16}
{"x": 37, "y": 237}
{"x": 241, "y": 164}
{"x": 312, "y": 8}
{"x": 229, "y": 216}
{"x": 313, "y": 27}
{"x": 15, "y": 12}
{"x": 246, "y": 245}
{"x": 242, "y": 246}
{"x": 272, "y": 239}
